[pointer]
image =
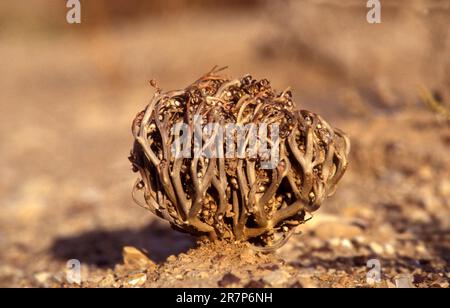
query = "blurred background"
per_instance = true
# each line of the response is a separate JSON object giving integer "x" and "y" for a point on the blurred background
{"x": 68, "y": 94}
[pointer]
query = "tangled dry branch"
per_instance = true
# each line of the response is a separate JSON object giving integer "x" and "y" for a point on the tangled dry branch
{"x": 235, "y": 197}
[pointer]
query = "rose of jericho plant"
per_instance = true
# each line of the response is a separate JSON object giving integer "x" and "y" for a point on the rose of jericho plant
{"x": 235, "y": 198}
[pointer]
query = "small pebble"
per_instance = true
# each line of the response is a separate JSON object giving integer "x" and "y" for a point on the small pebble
{"x": 404, "y": 281}
{"x": 171, "y": 258}
{"x": 137, "y": 280}
{"x": 346, "y": 243}
{"x": 376, "y": 248}
{"x": 277, "y": 277}
{"x": 389, "y": 249}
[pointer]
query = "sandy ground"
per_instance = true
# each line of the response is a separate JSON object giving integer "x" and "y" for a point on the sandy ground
{"x": 67, "y": 99}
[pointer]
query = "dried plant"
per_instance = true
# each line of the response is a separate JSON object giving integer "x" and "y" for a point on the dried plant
{"x": 235, "y": 198}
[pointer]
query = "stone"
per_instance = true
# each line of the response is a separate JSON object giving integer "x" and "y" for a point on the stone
{"x": 421, "y": 249}
{"x": 376, "y": 248}
{"x": 171, "y": 258}
{"x": 404, "y": 281}
{"x": 43, "y": 279}
{"x": 137, "y": 280}
{"x": 346, "y": 243}
{"x": 136, "y": 259}
{"x": 277, "y": 277}
{"x": 389, "y": 249}
{"x": 334, "y": 242}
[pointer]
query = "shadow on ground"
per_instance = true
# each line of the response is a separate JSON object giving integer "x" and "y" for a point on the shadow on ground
{"x": 103, "y": 248}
